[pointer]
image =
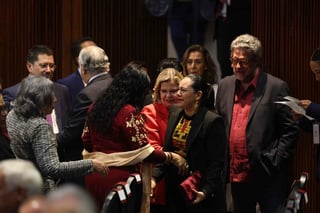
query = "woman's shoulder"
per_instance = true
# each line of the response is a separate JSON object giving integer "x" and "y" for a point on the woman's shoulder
{"x": 126, "y": 112}
{"x": 128, "y": 108}
{"x": 155, "y": 109}
{"x": 208, "y": 115}
{"x": 31, "y": 124}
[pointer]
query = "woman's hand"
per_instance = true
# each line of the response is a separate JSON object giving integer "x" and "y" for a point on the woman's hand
{"x": 180, "y": 163}
{"x": 153, "y": 186}
{"x": 100, "y": 167}
{"x": 200, "y": 196}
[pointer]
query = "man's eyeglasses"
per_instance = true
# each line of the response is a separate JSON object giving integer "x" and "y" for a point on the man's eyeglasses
{"x": 242, "y": 62}
{"x": 44, "y": 66}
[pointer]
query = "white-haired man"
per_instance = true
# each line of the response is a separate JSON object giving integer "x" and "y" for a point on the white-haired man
{"x": 94, "y": 65}
{"x": 19, "y": 179}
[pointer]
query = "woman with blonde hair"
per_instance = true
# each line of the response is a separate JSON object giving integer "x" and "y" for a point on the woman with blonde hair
{"x": 156, "y": 119}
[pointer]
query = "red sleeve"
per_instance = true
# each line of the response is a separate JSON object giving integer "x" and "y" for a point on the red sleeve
{"x": 152, "y": 126}
{"x": 157, "y": 156}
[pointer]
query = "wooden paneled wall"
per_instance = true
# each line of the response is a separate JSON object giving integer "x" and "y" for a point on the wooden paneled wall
{"x": 54, "y": 23}
{"x": 124, "y": 28}
{"x": 289, "y": 31}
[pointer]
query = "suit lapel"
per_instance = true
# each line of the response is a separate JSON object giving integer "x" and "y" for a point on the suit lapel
{"x": 258, "y": 94}
{"x": 57, "y": 107}
{"x": 196, "y": 123}
{"x": 174, "y": 117}
{"x": 230, "y": 92}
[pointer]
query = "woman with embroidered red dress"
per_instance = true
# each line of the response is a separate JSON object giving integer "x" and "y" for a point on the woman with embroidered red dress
{"x": 115, "y": 126}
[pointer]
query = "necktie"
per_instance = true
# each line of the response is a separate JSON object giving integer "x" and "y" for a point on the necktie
{"x": 49, "y": 119}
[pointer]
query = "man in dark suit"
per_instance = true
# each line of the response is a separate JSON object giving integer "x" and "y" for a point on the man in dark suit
{"x": 5, "y": 150}
{"x": 40, "y": 61}
{"x": 74, "y": 81}
{"x": 94, "y": 66}
{"x": 261, "y": 133}
{"x": 312, "y": 108}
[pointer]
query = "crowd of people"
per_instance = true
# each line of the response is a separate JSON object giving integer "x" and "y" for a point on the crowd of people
{"x": 96, "y": 132}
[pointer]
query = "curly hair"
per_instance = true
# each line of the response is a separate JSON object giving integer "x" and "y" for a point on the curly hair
{"x": 210, "y": 74}
{"x": 250, "y": 44}
{"x": 129, "y": 86}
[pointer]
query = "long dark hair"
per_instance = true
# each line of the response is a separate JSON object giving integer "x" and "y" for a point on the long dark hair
{"x": 210, "y": 74}
{"x": 129, "y": 86}
{"x": 199, "y": 84}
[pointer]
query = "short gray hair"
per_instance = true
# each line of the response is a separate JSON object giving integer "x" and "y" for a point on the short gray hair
{"x": 94, "y": 59}
{"x": 23, "y": 174}
{"x": 250, "y": 44}
{"x": 85, "y": 203}
{"x": 35, "y": 93}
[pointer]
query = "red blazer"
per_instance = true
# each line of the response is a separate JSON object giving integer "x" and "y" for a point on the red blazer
{"x": 156, "y": 119}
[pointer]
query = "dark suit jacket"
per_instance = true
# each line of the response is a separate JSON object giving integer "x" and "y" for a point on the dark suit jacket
{"x": 62, "y": 107}
{"x": 271, "y": 132}
{"x": 206, "y": 151}
{"x": 5, "y": 150}
{"x": 74, "y": 84}
{"x": 314, "y": 111}
{"x": 70, "y": 138}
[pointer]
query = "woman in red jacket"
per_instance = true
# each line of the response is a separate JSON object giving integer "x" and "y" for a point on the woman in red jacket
{"x": 156, "y": 119}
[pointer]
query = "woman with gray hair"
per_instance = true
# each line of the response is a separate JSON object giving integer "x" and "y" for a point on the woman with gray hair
{"x": 32, "y": 137}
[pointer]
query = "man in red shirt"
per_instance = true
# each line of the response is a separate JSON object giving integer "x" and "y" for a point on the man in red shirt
{"x": 261, "y": 133}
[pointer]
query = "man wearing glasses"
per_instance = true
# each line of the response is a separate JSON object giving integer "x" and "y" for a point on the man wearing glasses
{"x": 40, "y": 61}
{"x": 261, "y": 133}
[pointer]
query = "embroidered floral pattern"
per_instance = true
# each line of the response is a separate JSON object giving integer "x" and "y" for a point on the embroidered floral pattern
{"x": 136, "y": 128}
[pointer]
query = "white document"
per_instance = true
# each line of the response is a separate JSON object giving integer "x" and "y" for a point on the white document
{"x": 293, "y": 103}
